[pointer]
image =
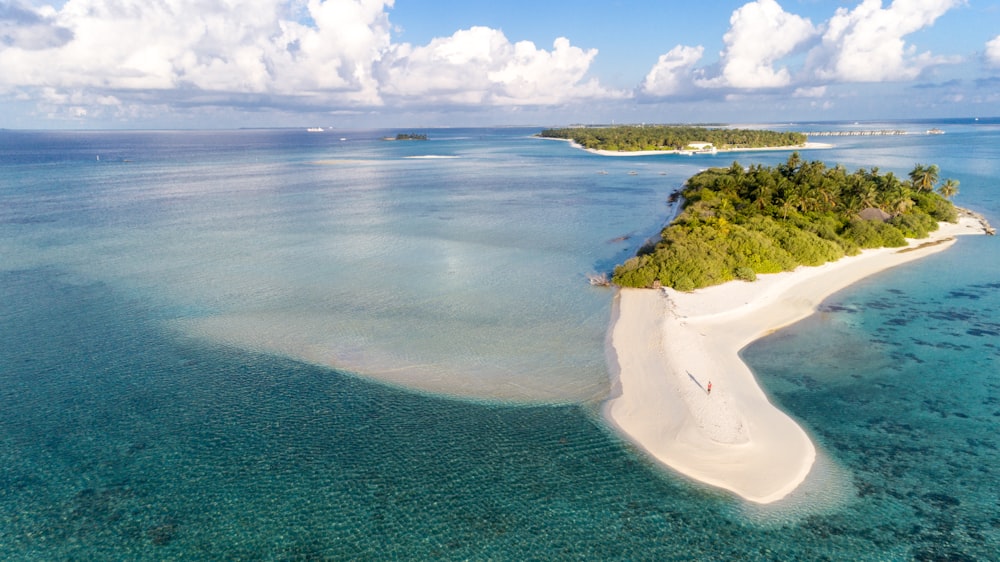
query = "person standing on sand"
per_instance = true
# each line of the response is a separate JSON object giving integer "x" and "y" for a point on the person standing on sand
{"x": 709, "y": 387}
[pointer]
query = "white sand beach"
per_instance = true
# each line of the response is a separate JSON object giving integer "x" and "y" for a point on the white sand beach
{"x": 806, "y": 146}
{"x": 664, "y": 347}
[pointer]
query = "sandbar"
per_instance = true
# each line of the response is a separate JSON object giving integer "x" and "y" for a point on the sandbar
{"x": 665, "y": 346}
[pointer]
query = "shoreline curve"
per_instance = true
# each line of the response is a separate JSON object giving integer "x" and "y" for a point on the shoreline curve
{"x": 664, "y": 347}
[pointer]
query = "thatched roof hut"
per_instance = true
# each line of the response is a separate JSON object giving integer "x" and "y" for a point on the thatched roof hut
{"x": 873, "y": 214}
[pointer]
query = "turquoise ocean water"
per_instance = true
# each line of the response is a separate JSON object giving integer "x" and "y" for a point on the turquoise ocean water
{"x": 173, "y": 306}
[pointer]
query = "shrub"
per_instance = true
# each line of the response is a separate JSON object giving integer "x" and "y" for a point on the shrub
{"x": 914, "y": 225}
{"x": 634, "y": 273}
{"x": 939, "y": 208}
{"x": 873, "y": 234}
{"x": 738, "y": 223}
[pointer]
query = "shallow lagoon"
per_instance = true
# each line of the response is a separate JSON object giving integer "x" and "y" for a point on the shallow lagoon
{"x": 127, "y": 434}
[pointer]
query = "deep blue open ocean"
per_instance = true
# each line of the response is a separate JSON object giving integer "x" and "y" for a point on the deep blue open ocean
{"x": 289, "y": 345}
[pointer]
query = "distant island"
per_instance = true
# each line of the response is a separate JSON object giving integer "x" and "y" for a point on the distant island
{"x": 738, "y": 222}
{"x": 664, "y": 138}
{"x": 408, "y": 136}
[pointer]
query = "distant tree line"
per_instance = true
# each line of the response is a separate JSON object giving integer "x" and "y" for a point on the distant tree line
{"x": 632, "y": 138}
{"x": 737, "y": 222}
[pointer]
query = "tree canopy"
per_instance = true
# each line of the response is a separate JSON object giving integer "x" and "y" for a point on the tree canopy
{"x": 630, "y": 138}
{"x": 737, "y": 222}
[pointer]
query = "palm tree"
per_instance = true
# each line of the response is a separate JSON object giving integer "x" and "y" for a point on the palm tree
{"x": 924, "y": 178}
{"x": 949, "y": 188}
{"x": 828, "y": 192}
{"x": 786, "y": 196}
{"x": 903, "y": 205}
{"x": 894, "y": 193}
{"x": 915, "y": 174}
{"x": 869, "y": 195}
{"x": 764, "y": 193}
{"x": 789, "y": 168}
{"x": 787, "y": 203}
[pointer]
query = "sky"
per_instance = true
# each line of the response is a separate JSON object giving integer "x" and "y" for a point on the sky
{"x": 133, "y": 64}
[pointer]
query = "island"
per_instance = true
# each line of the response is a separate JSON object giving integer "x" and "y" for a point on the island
{"x": 676, "y": 139}
{"x": 754, "y": 249}
{"x": 407, "y": 136}
{"x": 739, "y": 222}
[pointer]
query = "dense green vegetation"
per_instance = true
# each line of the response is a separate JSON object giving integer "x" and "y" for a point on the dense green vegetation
{"x": 660, "y": 137}
{"x": 737, "y": 222}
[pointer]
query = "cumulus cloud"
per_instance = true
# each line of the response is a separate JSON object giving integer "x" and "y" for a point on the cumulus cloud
{"x": 77, "y": 104}
{"x": 810, "y": 92}
{"x": 336, "y": 53}
{"x": 445, "y": 67}
{"x": 216, "y": 45}
{"x": 761, "y": 33}
{"x": 672, "y": 72}
{"x": 24, "y": 28}
{"x": 863, "y": 44}
{"x": 866, "y": 44}
{"x": 480, "y": 65}
{"x": 993, "y": 51}
{"x": 120, "y": 56}
{"x": 323, "y": 54}
{"x": 534, "y": 76}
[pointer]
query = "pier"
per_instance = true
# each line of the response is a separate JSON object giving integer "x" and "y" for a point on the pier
{"x": 878, "y": 133}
